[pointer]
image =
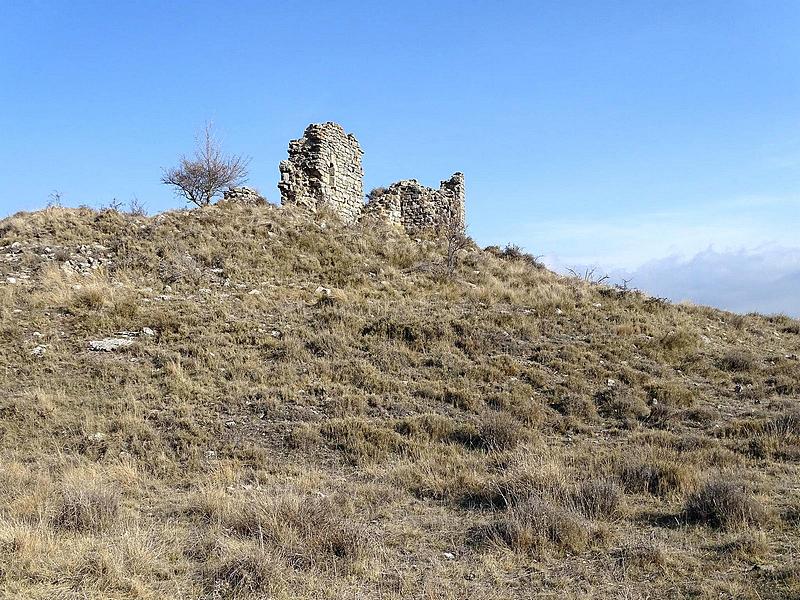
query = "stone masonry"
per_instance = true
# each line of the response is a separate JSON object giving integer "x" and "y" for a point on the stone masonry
{"x": 415, "y": 207}
{"x": 324, "y": 169}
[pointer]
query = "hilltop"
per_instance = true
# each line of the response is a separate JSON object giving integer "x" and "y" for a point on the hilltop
{"x": 249, "y": 401}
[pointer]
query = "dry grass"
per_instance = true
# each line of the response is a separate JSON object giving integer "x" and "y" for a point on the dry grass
{"x": 535, "y": 527}
{"x": 723, "y": 503}
{"x": 503, "y": 433}
{"x": 86, "y": 508}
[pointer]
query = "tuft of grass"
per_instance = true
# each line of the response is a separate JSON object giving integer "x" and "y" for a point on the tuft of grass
{"x": 600, "y": 499}
{"x": 660, "y": 477}
{"x": 362, "y": 440}
{"x": 312, "y": 532}
{"x": 86, "y": 507}
{"x": 676, "y": 344}
{"x": 647, "y": 555}
{"x": 750, "y": 546}
{"x": 244, "y": 570}
{"x": 534, "y": 527}
{"x": 623, "y": 403}
{"x": 723, "y": 503}
{"x": 499, "y": 431}
{"x": 737, "y": 361}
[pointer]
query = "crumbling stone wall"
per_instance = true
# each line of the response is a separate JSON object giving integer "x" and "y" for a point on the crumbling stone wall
{"x": 324, "y": 169}
{"x": 415, "y": 207}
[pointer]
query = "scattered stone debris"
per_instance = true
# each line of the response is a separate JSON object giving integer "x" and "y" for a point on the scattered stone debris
{"x": 243, "y": 195}
{"x": 39, "y": 350}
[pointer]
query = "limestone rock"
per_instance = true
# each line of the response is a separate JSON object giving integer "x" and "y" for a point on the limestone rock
{"x": 110, "y": 344}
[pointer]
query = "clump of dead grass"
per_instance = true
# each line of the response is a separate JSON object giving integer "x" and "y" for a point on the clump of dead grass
{"x": 723, "y": 503}
{"x": 658, "y": 476}
{"x": 244, "y": 569}
{"x": 534, "y": 527}
{"x": 599, "y": 498}
{"x": 738, "y": 361}
{"x": 499, "y": 431}
{"x": 309, "y": 533}
{"x": 86, "y": 507}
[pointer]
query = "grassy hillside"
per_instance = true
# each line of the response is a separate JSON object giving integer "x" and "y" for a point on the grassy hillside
{"x": 296, "y": 409}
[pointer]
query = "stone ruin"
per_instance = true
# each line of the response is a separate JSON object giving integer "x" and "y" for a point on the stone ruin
{"x": 324, "y": 170}
{"x": 243, "y": 195}
{"x": 416, "y": 207}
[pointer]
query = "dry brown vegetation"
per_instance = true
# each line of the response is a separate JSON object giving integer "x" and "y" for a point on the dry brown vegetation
{"x": 310, "y": 411}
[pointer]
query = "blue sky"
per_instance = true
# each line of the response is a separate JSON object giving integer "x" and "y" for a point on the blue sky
{"x": 658, "y": 139}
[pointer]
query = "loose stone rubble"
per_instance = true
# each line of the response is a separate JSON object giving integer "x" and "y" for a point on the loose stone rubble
{"x": 243, "y": 195}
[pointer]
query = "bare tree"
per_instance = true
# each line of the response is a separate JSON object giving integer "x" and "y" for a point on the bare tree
{"x": 202, "y": 177}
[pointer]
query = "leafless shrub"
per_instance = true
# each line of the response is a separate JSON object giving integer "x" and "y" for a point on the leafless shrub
{"x": 515, "y": 253}
{"x": 200, "y": 178}
{"x": 137, "y": 208}
{"x": 589, "y": 275}
{"x": 55, "y": 198}
{"x": 114, "y": 205}
{"x": 375, "y": 193}
{"x": 456, "y": 237}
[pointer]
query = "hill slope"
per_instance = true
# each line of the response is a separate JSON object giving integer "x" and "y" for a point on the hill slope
{"x": 290, "y": 408}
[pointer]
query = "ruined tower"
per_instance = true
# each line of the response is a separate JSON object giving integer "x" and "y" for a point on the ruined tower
{"x": 324, "y": 169}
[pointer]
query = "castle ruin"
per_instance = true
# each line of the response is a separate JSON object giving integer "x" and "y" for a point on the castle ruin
{"x": 324, "y": 170}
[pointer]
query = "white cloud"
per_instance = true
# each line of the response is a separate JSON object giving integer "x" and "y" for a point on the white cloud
{"x": 741, "y": 255}
{"x": 765, "y": 280}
